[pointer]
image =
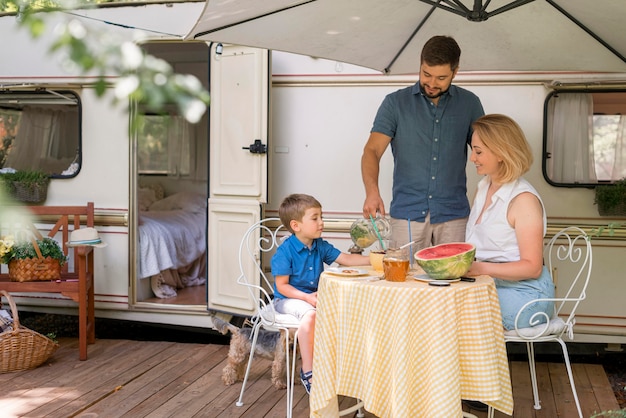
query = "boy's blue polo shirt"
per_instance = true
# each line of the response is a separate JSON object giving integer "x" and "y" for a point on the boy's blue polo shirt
{"x": 302, "y": 264}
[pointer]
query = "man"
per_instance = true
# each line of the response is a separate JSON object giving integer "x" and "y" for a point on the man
{"x": 429, "y": 128}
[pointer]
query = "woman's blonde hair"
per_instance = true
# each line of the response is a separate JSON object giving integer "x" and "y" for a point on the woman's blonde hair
{"x": 504, "y": 137}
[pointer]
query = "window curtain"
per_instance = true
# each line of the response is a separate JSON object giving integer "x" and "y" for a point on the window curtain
{"x": 44, "y": 134}
{"x": 179, "y": 146}
{"x": 619, "y": 164}
{"x": 569, "y": 142}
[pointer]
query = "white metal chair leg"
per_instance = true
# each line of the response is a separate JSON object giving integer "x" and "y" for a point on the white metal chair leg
{"x": 291, "y": 375}
{"x": 490, "y": 412}
{"x": 255, "y": 334}
{"x": 533, "y": 373}
{"x": 571, "y": 377}
{"x": 357, "y": 407}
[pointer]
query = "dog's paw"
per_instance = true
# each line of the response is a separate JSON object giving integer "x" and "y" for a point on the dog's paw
{"x": 280, "y": 384}
{"x": 229, "y": 376}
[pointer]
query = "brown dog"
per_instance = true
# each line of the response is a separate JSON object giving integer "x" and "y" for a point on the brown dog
{"x": 270, "y": 345}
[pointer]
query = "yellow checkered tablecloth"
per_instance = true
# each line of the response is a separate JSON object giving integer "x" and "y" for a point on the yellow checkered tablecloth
{"x": 408, "y": 349}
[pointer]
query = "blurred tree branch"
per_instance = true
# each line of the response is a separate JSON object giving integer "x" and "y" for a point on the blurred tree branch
{"x": 140, "y": 76}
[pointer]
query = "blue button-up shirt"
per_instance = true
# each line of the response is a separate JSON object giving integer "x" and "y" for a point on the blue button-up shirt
{"x": 302, "y": 264}
{"x": 429, "y": 145}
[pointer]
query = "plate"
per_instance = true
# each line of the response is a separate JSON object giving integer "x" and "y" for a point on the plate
{"x": 426, "y": 278}
{"x": 347, "y": 271}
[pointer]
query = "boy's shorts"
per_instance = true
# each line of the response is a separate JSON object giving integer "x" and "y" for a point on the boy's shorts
{"x": 295, "y": 307}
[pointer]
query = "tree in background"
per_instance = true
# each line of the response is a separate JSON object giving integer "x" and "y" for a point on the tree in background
{"x": 141, "y": 76}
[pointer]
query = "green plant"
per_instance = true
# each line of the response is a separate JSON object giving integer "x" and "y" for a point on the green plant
{"x": 610, "y": 414}
{"x": 609, "y": 229}
{"x": 27, "y": 178}
{"x": 52, "y": 336}
{"x": 24, "y": 249}
{"x": 611, "y": 198}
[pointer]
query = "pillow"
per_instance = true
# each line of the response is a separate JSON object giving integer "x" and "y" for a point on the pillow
{"x": 145, "y": 197}
{"x": 158, "y": 189}
{"x": 189, "y": 201}
{"x": 556, "y": 326}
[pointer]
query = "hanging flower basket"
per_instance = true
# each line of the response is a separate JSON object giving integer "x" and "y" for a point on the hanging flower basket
{"x": 26, "y": 186}
{"x": 611, "y": 198}
{"x": 28, "y": 193}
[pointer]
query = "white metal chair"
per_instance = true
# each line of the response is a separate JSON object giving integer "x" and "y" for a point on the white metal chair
{"x": 262, "y": 238}
{"x": 569, "y": 250}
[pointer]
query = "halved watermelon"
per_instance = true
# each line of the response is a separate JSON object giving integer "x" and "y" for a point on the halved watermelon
{"x": 446, "y": 261}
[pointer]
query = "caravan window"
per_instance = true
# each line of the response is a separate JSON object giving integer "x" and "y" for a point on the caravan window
{"x": 40, "y": 131}
{"x": 163, "y": 144}
{"x": 584, "y": 137}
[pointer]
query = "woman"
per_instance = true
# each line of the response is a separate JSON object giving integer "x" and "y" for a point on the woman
{"x": 507, "y": 222}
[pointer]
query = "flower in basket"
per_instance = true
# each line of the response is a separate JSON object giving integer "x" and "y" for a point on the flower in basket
{"x": 10, "y": 250}
{"x": 34, "y": 260}
{"x": 6, "y": 244}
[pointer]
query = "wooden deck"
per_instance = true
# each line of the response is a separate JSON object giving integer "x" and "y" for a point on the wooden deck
{"x": 164, "y": 379}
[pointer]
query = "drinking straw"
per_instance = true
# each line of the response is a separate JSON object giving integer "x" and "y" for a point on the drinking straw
{"x": 407, "y": 244}
{"x": 410, "y": 249}
{"x": 380, "y": 239}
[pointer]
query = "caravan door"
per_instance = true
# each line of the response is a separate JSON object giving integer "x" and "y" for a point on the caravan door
{"x": 240, "y": 80}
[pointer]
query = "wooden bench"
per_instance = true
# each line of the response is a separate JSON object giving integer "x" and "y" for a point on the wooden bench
{"x": 77, "y": 282}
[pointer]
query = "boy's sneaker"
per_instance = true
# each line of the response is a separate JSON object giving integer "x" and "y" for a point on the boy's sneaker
{"x": 305, "y": 378}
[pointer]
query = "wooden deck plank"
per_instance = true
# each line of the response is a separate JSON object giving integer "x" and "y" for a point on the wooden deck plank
{"x": 97, "y": 379}
{"x": 601, "y": 387}
{"x": 162, "y": 379}
{"x": 566, "y": 406}
{"x": 144, "y": 385}
{"x": 197, "y": 389}
{"x": 586, "y": 397}
{"x": 178, "y": 379}
{"x": 547, "y": 398}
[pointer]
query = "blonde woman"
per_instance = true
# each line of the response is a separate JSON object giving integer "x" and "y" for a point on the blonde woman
{"x": 507, "y": 221}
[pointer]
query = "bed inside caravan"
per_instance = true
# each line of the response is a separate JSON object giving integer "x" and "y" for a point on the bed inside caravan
{"x": 172, "y": 240}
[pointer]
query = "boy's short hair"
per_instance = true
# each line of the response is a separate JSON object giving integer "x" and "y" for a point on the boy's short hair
{"x": 294, "y": 206}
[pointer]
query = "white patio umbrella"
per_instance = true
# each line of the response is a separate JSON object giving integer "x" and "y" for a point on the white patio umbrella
{"x": 388, "y": 35}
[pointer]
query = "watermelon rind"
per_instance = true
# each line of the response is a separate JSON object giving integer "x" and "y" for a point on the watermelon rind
{"x": 446, "y": 261}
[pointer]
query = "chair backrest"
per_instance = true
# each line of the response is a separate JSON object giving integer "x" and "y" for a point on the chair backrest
{"x": 256, "y": 247}
{"x": 569, "y": 253}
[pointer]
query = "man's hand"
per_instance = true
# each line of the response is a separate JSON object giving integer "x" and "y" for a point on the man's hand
{"x": 373, "y": 205}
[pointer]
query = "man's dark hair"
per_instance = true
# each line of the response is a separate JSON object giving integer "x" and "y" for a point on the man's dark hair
{"x": 441, "y": 50}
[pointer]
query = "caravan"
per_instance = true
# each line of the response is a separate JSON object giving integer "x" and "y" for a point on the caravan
{"x": 173, "y": 199}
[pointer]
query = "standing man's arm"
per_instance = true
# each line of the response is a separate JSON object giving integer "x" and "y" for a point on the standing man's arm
{"x": 370, "y": 167}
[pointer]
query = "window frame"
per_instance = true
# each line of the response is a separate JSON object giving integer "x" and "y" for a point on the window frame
{"x": 47, "y": 96}
{"x": 545, "y": 155}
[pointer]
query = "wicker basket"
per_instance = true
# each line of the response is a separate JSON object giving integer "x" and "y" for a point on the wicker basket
{"x": 34, "y": 269}
{"x": 22, "y": 348}
{"x": 617, "y": 210}
{"x": 28, "y": 193}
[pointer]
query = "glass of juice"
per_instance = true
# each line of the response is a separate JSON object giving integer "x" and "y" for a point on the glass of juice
{"x": 396, "y": 264}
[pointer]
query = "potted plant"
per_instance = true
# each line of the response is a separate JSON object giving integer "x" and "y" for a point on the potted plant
{"x": 26, "y": 185}
{"x": 611, "y": 198}
{"x": 32, "y": 260}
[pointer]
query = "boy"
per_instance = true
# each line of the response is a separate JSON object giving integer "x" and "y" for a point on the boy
{"x": 297, "y": 266}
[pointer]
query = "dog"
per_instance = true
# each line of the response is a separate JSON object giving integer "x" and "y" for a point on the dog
{"x": 269, "y": 345}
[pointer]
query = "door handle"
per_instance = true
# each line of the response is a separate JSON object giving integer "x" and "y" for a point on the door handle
{"x": 257, "y": 148}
